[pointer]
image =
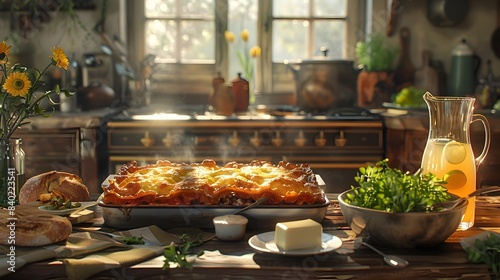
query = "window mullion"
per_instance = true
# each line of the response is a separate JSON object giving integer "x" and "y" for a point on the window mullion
{"x": 265, "y": 67}
{"x": 310, "y": 29}
{"x": 178, "y": 22}
{"x": 221, "y": 47}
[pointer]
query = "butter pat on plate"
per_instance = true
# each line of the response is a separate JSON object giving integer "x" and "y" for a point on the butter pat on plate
{"x": 295, "y": 235}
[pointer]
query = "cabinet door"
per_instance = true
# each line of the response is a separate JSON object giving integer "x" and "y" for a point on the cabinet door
{"x": 48, "y": 150}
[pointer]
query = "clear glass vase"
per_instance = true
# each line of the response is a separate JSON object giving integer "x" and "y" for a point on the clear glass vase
{"x": 12, "y": 173}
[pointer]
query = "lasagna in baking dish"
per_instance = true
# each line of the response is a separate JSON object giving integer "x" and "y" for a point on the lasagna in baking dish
{"x": 206, "y": 183}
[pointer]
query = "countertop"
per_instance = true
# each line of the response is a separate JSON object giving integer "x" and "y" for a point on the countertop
{"x": 392, "y": 118}
{"x": 78, "y": 119}
{"x": 418, "y": 120}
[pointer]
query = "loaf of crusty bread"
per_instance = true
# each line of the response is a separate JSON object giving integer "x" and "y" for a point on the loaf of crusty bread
{"x": 32, "y": 229}
{"x": 45, "y": 186}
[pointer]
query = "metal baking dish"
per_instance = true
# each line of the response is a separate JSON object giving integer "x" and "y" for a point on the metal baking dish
{"x": 260, "y": 217}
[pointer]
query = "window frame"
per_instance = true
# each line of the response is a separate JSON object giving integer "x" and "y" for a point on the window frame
{"x": 195, "y": 79}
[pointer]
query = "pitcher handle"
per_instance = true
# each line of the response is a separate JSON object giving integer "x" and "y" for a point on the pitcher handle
{"x": 484, "y": 120}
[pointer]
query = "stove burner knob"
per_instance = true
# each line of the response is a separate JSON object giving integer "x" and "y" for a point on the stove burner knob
{"x": 168, "y": 141}
{"x": 234, "y": 140}
{"x": 321, "y": 140}
{"x": 277, "y": 141}
{"x": 255, "y": 140}
{"x": 300, "y": 141}
{"x": 341, "y": 141}
{"x": 147, "y": 141}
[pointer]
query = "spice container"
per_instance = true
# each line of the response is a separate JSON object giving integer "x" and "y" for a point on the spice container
{"x": 223, "y": 100}
{"x": 216, "y": 82}
{"x": 241, "y": 94}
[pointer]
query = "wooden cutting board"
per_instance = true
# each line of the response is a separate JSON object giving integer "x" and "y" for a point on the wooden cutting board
{"x": 427, "y": 77}
{"x": 82, "y": 216}
{"x": 404, "y": 74}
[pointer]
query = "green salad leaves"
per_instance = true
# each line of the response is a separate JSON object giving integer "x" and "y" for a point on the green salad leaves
{"x": 391, "y": 190}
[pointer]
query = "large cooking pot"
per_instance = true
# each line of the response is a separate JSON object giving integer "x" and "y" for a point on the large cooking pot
{"x": 322, "y": 84}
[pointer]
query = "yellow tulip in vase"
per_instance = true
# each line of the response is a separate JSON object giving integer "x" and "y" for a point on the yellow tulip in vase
{"x": 245, "y": 57}
{"x": 21, "y": 98}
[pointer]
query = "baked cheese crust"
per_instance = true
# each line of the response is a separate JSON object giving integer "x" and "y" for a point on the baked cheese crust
{"x": 206, "y": 183}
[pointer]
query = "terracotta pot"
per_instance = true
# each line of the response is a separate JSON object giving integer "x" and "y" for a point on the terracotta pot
{"x": 374, "y": 88}
{"x": 223, "y": 100}
{"x": 241, "y": 94}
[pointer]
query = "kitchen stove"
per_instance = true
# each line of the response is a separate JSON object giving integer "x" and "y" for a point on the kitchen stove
{"x": 201, "y": 112}
{"x": 334, "y": 143}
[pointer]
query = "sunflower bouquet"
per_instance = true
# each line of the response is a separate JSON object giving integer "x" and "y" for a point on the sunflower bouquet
{"x": 21, "y": 93}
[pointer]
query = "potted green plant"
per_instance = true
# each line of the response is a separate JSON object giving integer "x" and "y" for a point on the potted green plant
{"x": 375, "y": 82}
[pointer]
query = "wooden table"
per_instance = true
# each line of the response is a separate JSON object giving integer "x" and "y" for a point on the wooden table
{"x": 448, "y": 260}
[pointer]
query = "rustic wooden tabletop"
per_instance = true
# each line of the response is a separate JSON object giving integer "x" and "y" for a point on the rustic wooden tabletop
{"x": 237, "y": 260}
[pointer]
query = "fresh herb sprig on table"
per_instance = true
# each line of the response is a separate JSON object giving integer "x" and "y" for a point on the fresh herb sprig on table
{"x": 178, "y": 254}
{"x": 133, "y": 240}
{"x": 486, "y": 251}
{"x": 389, "y": 189}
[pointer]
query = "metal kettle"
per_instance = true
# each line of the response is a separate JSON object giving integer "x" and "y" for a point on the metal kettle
{"x": 464, "y": 68}
{"x": 95, "y": 96}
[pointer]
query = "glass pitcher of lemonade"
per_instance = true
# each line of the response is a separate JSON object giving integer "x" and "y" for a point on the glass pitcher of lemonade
{"x": 448, "y": 153}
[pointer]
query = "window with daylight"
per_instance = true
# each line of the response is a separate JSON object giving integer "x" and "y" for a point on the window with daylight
{"x": 187, "y": 38}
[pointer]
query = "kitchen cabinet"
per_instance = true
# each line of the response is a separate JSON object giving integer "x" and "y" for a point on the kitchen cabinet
{"x": 71, "y": 142}
{"x": 72, "y": 150}
{"x": 406, "y": 137}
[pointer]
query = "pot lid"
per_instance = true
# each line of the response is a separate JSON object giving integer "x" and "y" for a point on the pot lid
{"x": 324, "y": 59}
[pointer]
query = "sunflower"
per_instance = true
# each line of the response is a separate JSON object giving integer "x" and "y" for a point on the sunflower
{"x": 18, "y": 87}
{"x": 4, "y": 51}
{"x": 59, "y": 58}
{"x": 17, "y": 84}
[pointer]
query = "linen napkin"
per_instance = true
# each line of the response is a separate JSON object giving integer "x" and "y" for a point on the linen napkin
{"x": 80, "y": 269}
{"x": 215, "y": 259}
{"x": 87, "y": 253}
{"x": 155, "y": 239}
{"x": 77, "y": 244}
{"x": 212, "y": 259}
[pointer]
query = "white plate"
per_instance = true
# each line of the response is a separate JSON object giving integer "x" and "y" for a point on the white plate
{"x": 66, "y": 212}
{"x": 264, "y": 242}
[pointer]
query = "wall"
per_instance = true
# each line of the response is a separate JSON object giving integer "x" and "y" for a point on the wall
{"x": 34, "y": 48}
{"x": 477, "y": 27}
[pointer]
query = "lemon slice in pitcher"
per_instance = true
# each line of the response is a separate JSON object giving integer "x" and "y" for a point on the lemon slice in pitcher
{"x": 455, "y": 152}
{"x": 455, "y": 179}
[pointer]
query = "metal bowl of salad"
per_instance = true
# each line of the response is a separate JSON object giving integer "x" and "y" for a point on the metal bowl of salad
{"x": 393, "y": 210}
